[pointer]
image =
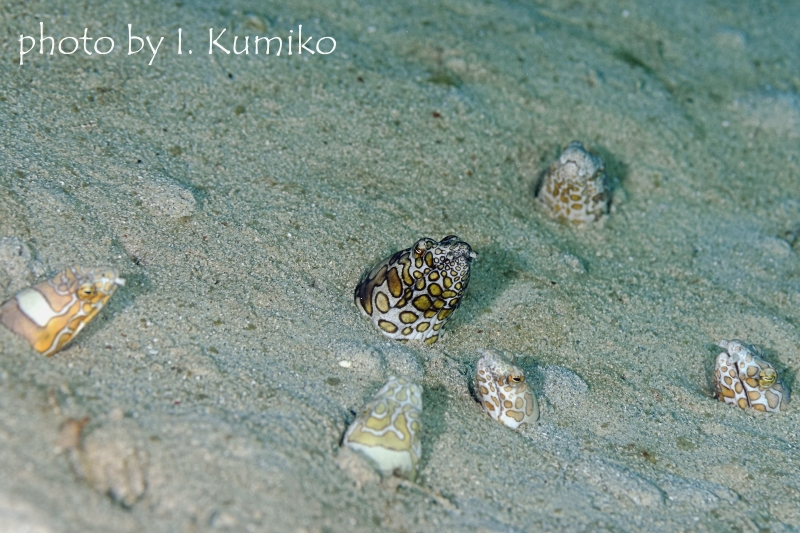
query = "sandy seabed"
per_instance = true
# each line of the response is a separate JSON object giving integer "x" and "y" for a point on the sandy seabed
{"x": 243, "y": 196}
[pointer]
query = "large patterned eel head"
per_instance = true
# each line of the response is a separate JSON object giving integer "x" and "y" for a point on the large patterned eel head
{"x": 575, "y": 188}
{"x": 503, "y": 391}
{"x": 413, "y": 293}
{"x": 388, "y": 430}
{"x": 50, "y": 314}
{"x": 743, "y": 378}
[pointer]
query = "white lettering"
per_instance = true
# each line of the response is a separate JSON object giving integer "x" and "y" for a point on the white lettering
{"x": 213, "y": 42}
{"x": 96, "y": 51}
{"x": 154, "y": 50}
{"x": 61, "y": 49}
{"x": 246, "y": 50}
{"x": 269, "y": 40}
{"x": 301, "y": 43}
{"x": 42, "y": 39}
{"x": 22, "y": 52}
{"x": 86, "y": 38}
{"x": 130, "y": 44}
{"x": 332, "y": 47}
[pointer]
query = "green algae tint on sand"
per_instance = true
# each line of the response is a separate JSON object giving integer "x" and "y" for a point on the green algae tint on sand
{"x": 242, "y": 197}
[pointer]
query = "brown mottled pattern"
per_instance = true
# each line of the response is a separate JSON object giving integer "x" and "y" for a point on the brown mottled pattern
{"x": 503, "y": 391}
{"x": 403, "y": 294}
{"x": 744, "y": 379}
{"x": 388, "y": 429}
{"x": 574, "y": 188}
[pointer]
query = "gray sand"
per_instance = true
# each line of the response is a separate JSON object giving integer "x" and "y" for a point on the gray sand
{"x": 242, "y": 198}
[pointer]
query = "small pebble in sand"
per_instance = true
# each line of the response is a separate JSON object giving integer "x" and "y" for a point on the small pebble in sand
{"x": 113, "y": 461}
{"x": 575, "y": 187}
{"x": 69, "y": 434}
{"x": 503, "y": 391}
{"x": 412, "y": 294}
{"x": 743, "y": 378}
{"x": 388, "y": 430}
{"x": 52, "y": 312}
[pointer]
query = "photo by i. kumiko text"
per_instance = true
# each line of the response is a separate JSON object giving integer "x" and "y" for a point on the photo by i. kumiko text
{"x": 218, "y": 42}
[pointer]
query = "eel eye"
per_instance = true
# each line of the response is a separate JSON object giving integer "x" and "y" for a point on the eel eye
{"x": 86, "y": 291}
{"x": 422, "y": 246}
{"x": 516, "y": 379}
{"x": 767, "y": 378}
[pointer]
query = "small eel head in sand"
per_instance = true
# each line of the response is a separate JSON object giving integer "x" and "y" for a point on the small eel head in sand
{"x": 575, "y": 188}
{"x": 413, "y": 293}
{"x": 388, "y": 430}
{"x": 50, "y": 314}
{"x": 503, "y": 392}
{"x": 743, "y": 378}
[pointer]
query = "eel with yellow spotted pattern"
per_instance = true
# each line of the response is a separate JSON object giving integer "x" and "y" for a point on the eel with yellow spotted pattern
{"x": 388, "y": 430}
{"x": 574, "y": 188}
{"x": 413, "y": 293}
{"x": 503, "y": 392}
{"x": 744, "y": 379}
{"x": 51, "y": 313}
